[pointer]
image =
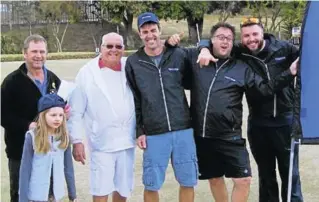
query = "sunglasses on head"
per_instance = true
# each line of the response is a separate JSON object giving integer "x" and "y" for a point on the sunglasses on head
{"x": 249, "y": 21}
{"x": 111, "y": 46}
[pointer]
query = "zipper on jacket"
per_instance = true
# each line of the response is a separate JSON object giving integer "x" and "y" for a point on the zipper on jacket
{"x": 268, "y": 76}
{"x": 163, "y": 93}
{"x": 208, "y": 96}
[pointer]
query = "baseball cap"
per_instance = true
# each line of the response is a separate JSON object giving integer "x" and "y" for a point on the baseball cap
{"x": 146, "y": 17}
{"x": 50, "y": 100}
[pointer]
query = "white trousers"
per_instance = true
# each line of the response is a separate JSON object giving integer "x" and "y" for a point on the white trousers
{"x": 112, "y": 171}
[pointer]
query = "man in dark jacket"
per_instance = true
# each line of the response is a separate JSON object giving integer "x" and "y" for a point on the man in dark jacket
{"x": 156, "y": 76}
{"x": 270, "y": 117}
{"x": 20, "y": 92}
{"x": 216, "y": 109}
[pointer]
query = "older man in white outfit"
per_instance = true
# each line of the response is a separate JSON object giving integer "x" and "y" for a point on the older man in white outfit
{"x": 105, "y": 102}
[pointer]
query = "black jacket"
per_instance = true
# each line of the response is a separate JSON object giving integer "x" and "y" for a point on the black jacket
{"x": 275, "y": 110}
{"x": 217, "y": 93}
{"x": 278, "y": 109}
{"x": 19, "y": 99}
{"x": 160, "y": 102}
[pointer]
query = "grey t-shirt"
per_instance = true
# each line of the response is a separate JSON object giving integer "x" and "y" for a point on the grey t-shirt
{"x": 157, "y": 59}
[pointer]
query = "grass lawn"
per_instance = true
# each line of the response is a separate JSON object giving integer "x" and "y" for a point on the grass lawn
{"x": 67, "y": 69}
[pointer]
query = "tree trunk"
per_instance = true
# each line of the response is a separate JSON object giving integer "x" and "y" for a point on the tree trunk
{"x": 91, "y": 28}
{"x": 30, "y": 28}
{"x": 192, "y": 29}
{"x": 63, "y": 35}
{"x": 128, "y": 33}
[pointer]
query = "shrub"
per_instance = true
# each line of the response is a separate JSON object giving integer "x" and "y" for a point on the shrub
{"x": 11, "y": 43}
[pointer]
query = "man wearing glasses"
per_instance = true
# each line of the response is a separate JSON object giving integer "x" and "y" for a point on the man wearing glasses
{"x": 270, "y": 117}
{"x": 216, "y": 110}
{"x": 104, "y": 100}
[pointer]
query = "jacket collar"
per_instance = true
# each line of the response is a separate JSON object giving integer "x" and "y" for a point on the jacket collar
{"x": 273, "y": 46}
{"x": 99, "y": 80}
{"x": 167, "y": 52}
{"x": 52, "y": 87}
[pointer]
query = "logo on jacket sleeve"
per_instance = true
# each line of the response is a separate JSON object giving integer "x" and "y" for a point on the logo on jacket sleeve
{"x": 229, "y": 78}
{"x": 280, "y": 58}
{"x": 173, "y": 69}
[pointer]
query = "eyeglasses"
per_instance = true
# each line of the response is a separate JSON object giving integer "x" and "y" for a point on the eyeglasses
{"x": 223, "y": 37}
{"x": 111, "y": 46}
{"x": 249, "y": 21}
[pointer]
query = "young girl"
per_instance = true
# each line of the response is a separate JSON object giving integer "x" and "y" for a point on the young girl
{"x": 47, "y": 159}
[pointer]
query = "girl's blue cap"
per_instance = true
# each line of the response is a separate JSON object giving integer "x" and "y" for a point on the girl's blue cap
{"x": 50, "y": 100}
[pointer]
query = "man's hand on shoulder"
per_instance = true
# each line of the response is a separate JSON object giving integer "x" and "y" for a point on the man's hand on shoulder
{"x": 32, "y": 125}
{"x": 205, "y": 57}
{"x": 175, "y": 39}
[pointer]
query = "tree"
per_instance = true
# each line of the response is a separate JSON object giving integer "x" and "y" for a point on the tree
{"x": 279, "y": 14}
{"x": 292, "y": 16}
{"x": 268, "y": 12}
{"x": 226, "y": 9}
{"x": 57, "y": 13}
{"x": 121, "y": 13}
{"x": 192, "y": 11}
{"x": 25, "y": 11}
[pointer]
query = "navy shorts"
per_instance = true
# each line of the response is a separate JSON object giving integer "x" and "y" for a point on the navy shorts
{"x": 218, "y": 158}
{"x": 179, "y": 146}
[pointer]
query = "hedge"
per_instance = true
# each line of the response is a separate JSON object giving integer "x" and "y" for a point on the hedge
{"x": 58, "y": 56}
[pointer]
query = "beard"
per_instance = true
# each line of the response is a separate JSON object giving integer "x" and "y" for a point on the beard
{"x": 259, "y": 47}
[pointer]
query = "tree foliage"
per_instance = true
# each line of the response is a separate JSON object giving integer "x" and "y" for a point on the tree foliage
{"x": 121, "y": 13}
{"x": 268, "y": 12}
{"x": 292, "y": 16}
{"x": 277, "y": 15}
{"x": 57, "y": 13}
{"x": 192, "y": 11}
{"x": 226, "y": 9}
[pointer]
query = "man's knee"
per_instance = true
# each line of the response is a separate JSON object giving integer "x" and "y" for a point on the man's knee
{"x": 242, "y": 182}
{"x": 187, "y": 189}
{"x": 216, "y": 181}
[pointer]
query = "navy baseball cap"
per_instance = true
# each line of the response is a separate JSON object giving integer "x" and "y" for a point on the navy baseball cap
{"x": 50, "y": 100}
{"x": 146, "y": 17}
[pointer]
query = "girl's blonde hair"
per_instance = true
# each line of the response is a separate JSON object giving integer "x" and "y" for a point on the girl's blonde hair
{"x": 42, "y": 144}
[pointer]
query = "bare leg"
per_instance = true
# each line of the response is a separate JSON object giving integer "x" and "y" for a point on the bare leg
{"x": 186, "y": 194}
{"x": 218, "y": 189}
{"x": 241, "y": 189}
{"x": 117, "y": 197}
{"x": 151, "y": 196}
{"x": 100, "y": 198}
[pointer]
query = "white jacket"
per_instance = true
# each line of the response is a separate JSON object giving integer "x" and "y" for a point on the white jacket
{"x": 90, "y": 101}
